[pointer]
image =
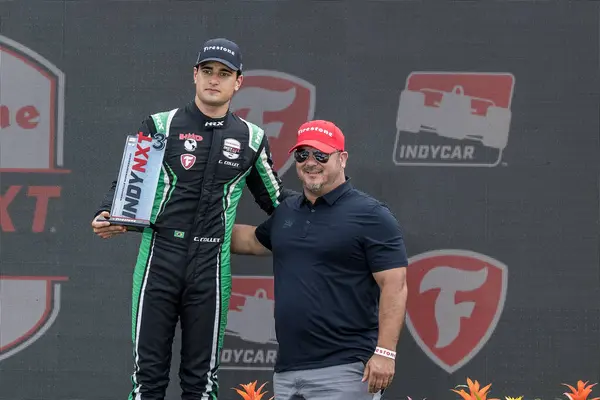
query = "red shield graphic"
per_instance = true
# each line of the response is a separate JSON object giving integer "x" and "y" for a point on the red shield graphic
{"x": 278, "y": 103}
{"x": 188, "y": 160}
{"x": 31, "y": 111}
{"x": 30, "y": 305}
{"x": 455, "y": 300}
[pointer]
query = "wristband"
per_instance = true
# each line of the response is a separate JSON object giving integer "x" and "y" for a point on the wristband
{"x": 385, "y": 352}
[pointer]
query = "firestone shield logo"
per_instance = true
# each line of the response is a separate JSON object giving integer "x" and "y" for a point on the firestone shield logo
{"x": 455, "y": 119}
{"x": 188, "y": 160}
{"x": 250, "y": 342}
{"x": 454, "y": 305}
{"x": 278, "y": 103}
{"x": 29, "y": 306}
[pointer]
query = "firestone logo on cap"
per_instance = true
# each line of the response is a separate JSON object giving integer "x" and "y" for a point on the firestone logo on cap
{"x": 321, "y": 134}
{"x": 317, "y": 129}
{"x": 206, "y": 48}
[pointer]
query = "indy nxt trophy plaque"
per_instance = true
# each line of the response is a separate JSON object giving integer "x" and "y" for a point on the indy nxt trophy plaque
{"x": 137, "y": 183}
{"x": 141, "y": 166}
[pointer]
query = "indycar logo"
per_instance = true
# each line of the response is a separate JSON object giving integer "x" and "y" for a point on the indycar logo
{"x": 29, "y": 307}
{"x": 455, "y": 304}
{"x": 232, "y": 149}
{"x": 453, "y": 119}
{"x": 250, "y": 342}
{"x": 278, "y": 103}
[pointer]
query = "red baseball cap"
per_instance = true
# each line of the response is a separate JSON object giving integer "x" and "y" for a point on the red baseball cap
{"x": 320, "y": 134}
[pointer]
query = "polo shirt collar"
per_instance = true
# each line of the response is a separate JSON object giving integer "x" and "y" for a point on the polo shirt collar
{"x": 333, "y": 196}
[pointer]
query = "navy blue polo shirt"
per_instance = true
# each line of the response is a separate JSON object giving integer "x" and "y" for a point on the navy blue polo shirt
{"x": 324, "y": 257}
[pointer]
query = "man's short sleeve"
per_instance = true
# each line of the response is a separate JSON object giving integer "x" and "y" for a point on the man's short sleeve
{"x": 383, "y": 241}
{"x": 263, "y": 232}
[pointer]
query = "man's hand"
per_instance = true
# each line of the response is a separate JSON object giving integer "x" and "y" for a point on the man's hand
{"x": 104, "y": 229}
{"x": 379, "y": 371}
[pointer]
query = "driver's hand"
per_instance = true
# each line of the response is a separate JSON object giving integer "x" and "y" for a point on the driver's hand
{"x": 104, "y": 229}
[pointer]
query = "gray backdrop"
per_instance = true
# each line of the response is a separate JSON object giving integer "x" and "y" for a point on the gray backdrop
{"x": 520, "y": 223}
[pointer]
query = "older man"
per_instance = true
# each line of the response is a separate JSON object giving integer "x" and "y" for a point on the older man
{"x": 339, "y": 267}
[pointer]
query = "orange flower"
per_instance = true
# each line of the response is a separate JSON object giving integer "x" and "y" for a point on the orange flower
{"x": 250, "y": 392}
{"x": 475, "y": 392}
{"x": 582, "y": 392}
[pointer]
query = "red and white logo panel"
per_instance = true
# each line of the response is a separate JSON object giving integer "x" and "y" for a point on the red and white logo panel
{"x": 278, "y": 103}
{"x": 455, "y": 300}
{"x": 250, "y": 342}
{"x": 454, "y": 119}
{"x": 31, "y": 110}
{"x": 29, "y": 306}
{"x": 32, "y": 91}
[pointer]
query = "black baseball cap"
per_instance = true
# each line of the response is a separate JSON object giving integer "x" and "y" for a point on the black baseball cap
{"x": 221, "y": 50}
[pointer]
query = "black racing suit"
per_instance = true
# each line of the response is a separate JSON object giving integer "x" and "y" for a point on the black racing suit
{"x": 183, "y": 267}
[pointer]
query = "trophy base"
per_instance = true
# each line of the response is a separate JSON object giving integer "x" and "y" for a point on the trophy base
{"x": 134, "y": 225}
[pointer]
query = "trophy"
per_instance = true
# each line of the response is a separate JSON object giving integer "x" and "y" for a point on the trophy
{"x": 137, "y": 183}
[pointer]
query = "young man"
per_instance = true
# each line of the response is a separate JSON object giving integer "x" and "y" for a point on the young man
{"x": 340, "y": 287}
{"x": 183, "y": 269}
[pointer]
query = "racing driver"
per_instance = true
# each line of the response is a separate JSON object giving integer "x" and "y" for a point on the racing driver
{"x": 183, "y": 264}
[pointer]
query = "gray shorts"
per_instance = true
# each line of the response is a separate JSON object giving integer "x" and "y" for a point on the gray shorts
{"x": 339, "y": 382}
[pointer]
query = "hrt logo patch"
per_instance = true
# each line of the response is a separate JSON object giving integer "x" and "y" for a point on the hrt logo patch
{"x": 250, "y": 342}
{"x": 278, "y": 103}
{"x": 216, "y": 124}
{"x": 453, "y": 119}
{"x": 188, "y": 160}
{"x": 455, "y": 300}
{"x": 30, "y": 305}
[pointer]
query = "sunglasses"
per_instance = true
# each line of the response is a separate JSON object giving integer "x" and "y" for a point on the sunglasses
{"x": 302, "y": 155}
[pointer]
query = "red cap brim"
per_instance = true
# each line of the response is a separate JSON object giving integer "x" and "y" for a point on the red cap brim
{"x": 325, "y": 148}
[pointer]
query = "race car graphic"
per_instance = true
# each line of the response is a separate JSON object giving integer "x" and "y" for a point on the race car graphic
{"x": 454, "y": 115}
{"x": 250, "y": 341}
{"x": 253, "y": 320}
